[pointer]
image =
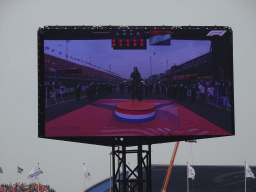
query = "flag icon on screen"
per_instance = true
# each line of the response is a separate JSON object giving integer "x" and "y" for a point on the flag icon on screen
{"x": 159, "y": 37}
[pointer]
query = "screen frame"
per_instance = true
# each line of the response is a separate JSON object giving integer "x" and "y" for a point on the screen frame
{"x": 85, "y": 32}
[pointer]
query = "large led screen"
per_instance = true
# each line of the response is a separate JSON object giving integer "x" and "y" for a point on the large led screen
{"x": 103, "y": 84}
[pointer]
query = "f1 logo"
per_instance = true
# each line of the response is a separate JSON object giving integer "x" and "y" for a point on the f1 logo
{"x": 216, "y": 32}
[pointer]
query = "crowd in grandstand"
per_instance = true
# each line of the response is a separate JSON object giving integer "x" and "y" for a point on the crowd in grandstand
{"x": 55, "y": 63}
{"x": 23, "y": 187}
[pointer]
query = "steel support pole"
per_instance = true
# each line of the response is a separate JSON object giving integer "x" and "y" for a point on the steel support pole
{"x": 124, "y": 167}
{"x": 119, "y": 169}
{"x": 140, "y": 178}
{"x": 149, "y": 169}
{"x": 142, "y": 161}
{"x": 113, "y": 166}
{"x": 245, "y": 176}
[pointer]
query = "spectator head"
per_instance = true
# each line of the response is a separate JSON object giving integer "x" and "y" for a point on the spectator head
{"x": 135, "y": 69}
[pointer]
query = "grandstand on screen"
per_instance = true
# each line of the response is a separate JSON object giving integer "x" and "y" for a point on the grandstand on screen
{"x": 208, "y": 178}
{"x": 54, "y": 66}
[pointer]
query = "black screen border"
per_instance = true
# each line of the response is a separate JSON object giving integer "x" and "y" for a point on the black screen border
{"x": 84, "y": 32}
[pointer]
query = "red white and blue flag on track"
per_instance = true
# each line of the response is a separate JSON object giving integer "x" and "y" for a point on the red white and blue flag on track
{"x": 1, "y": 171}
{"x": 20, "y": 170}
{"x": 159, "y": 37}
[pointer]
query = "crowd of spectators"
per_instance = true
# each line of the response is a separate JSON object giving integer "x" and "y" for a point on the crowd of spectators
{"x": 23, "y": 187}
{"x": 209, "y": 91}
{"x": 91, "y": 90}
{"x": 217, "y": 93}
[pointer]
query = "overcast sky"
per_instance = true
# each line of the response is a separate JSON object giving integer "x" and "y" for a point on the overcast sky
{"x": 101, "y": 54}
{"x": 62, "y": 162}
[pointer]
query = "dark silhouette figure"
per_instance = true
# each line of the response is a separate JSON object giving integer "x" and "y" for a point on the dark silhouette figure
{"x": 90, "y": 91}
{"x": 129, "y": 87}
{"x": 136, "y": 84}
{"x": 157, "y": 86}
{"x": 175, "y": 90}
{"x": 180, "y": 89}
{"x": 146, "y": 88}
{"x": 78, "y": 92}
{"x": 193, "y": 91}
{"x": 100, "y": 89}
{"x": 121, "y": 86}
{"x": 150, "y": 87}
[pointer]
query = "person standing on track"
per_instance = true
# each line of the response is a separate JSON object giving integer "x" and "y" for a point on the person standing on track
{"x": 150, "y": 87}
{"x": 211, "y": 92}
{"x": 180, "y": 90}
{"x": 78, "y": 92}
{"x": 136, "y": 82}
{"x": 62, "y": 92}
{"x": 146, "y": 87}
{"x": 52, "y": 96}
{"x": 202, "y": 91}
{"x": 193, "y": 90}
{"x": 114, "y": 86}
{"x": 99, "y": 89}
{"x": 157, "y": 86}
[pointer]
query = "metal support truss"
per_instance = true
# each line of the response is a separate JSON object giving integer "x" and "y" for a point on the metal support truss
{"x": 126, "y": 179}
